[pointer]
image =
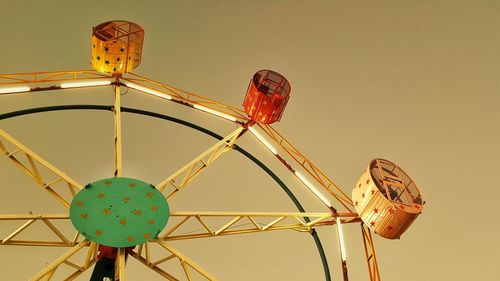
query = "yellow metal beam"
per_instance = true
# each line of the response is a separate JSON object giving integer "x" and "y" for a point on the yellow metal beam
{"x": 32, "y": 170}
{"x": 247, "y": 222}
{"x": 51, "y": 268}
{"x": 186, "y": 98}
{"x": 117, "y": 130}
{"x": 303, "y": 163}
{"x": 49, "y": 77}
{"x": 186, "y": 263}
{"x": 154, "y": 266}
{"x": 30, "y": 219}
{"x": 182, "y": 177}
{"x": 120, "y": 265}
{"x": 90, "y": 260}
{"x": 371, "y": 257}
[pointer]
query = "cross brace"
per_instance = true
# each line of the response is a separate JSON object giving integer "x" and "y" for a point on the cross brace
{"x": 32, "y": 168}
{"x": 182, "y": 177}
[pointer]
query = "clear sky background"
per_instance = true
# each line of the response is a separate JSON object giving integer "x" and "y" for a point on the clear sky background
{"x": 416, "y": 82}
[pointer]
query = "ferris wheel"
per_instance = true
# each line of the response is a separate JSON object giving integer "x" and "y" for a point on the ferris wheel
{"x": 120, "y": 217}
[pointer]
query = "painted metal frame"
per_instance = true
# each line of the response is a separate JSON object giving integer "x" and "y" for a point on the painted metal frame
{"x": 38, "y": 82}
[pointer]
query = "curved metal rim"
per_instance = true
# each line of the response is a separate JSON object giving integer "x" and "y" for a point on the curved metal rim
{"x": 283, "y": 186}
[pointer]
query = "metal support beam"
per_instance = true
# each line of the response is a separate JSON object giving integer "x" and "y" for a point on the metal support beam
{"x": 117, "y": 130}
{"x": 249, "y": 222}
{"x": 29, "y": 221}
{"x": 154, "y": 265}
{"x": 120, "y": 265}
{"x": 186, "y": 263}
{"x": 371, "y": 257}
{"x": 32, "y": 168}
{"x": 342, "y": 250}
{"x": 296, "y": 156}
{"x": 185, "y": 98}
{"x": 51, "y": 268}
{"x": 90, "y": 260}
{"x": 182, "y": 177}
{"x": 49, "y": 77}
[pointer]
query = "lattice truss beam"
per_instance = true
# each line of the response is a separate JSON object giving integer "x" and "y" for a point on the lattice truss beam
{"x": 32, "y": 165}
{"x": 156, "y": 88}
{"x": 293, "y": 154}
{"x": 90, "y": 259}
{"x": 370, "y": 255}
{"x": 190, "y": 269}
{"x": 184, "y": 225}
{"x": 213, "y": 224}
{"x": 47, "y": 77}
{"x": 205, "y": 224}
{"x": 28, "y": 228}
{"x": 182, "y": 177}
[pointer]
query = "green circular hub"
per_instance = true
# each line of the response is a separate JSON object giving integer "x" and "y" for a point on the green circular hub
{"x": 119, "y": 212}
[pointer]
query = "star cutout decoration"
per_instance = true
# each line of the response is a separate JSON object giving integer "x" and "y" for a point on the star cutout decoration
{"x": 79, "y": 203}
{"x": 356, "y": 203}
{"x": 118, "y": 59}
{"x": 106, "y": 49}
{"x": 368, "y": 181}
{"x": 375, "y": 211}
{"x": 137, "y": 212}
{"x": 151, "y": 221}
{"x": 126, "y": 199}
{"x": 122, "y": 49}
{"x": 98, "y": 58}
{"x": 149, "y": 195}
{"x": 84, "y": 216}
{"x": 130, "y": 238}
{"x": 147, "y": 235}
{"x": 107, "y": 211}
{"x": 98, "y": 232}
{"x": 363, "y": 195}
{"x": 401, "y": 207}
{"x": 108, "y": 183}
{"x": 132, "y": 184}
{"x": 106, "y": 61}
{"x": 123, "y": 221}
{"x": 390, "y": 228}
{"x": 154, "y": 208}
{"x": 372, "y": 224}
{"x": 392, "y": 211}
{"x": 101, "y": 195}
{"x": 373, "y": 191}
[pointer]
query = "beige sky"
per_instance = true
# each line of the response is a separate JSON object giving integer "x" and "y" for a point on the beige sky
{"x": 415, "y": 82}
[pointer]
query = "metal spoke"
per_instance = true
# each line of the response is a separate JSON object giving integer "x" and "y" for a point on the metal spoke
{"x": 117, "y": 131}
{"x": 294, "y": 154}
{"x": 120, "y": 265}
{"x": 29, "y": 221}
{"x": 185, "y": 98}
{"x": 50, "y": 77}
{"x": 371, "y": 258}
{"x": 234, "y": 223}
{"x": 146, "y": 260}
{"x": 90, "y": 260}
{"x": 50, "y": 269}
{"x": 187, "y": 264}
{"x": 32, "y": 168}
{"x": 186, "y": 174}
